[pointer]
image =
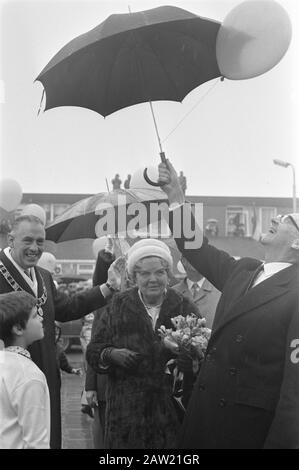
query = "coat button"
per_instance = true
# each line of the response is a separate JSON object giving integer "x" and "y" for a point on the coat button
{"x": 239, "y": 339}
{"x": 232, "y": 371}
{"x": 222, "y": 402}
{"x": 201, "y": 387}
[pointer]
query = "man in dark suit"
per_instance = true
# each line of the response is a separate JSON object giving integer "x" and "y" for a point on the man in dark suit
{"x": 18, "y": 271}
{"x": 247, "y": 391}
{"x": 198, "y": 289}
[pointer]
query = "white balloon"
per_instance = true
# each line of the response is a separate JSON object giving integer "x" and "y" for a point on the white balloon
{"x": 98, "y": 245}
{"x": 138, "y": 181}
{"x": 252, "y": 39}
{"x": 47, "y": 261}
{"x": 10, "y": 194}
{"x": 36, "y": 210}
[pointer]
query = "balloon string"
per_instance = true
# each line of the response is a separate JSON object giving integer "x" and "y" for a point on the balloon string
{"x": 41, "y": 101}
{"x": 192, "y": 109}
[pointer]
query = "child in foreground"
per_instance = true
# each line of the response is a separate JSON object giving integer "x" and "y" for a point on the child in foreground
{"x": 24, "y": 394}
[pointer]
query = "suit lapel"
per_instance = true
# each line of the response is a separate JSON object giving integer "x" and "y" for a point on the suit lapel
{"x": 202, "y": 292}
{"x": 268, "y": 290}
{"x": 15, "y": 274}
{"x": 207, "y": 286}
{"x": 237, "y": 290}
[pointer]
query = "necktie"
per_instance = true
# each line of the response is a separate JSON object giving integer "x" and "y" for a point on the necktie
{"x": 194, "y": 289}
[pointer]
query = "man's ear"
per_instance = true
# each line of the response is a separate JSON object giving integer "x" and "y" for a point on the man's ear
{"x": 295, "y": 244}
{"x": 17, "y": 330}
{"x": 10, "y": 239}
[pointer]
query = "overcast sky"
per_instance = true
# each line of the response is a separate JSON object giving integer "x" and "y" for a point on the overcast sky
{"x": 225, "y": 146}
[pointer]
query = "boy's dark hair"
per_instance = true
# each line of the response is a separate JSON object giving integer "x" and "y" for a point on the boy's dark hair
{"x": 15, "y": 309}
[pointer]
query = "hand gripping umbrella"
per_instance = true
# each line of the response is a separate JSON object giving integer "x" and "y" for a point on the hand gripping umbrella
{"x": 152, "y": 55}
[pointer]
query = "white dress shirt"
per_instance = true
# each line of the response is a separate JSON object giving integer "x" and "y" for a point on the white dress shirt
{"x": 24, "y": 404}
{"x": 31, "y": 282}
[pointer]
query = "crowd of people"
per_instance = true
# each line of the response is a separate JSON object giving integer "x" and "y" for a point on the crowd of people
{"x": 240, "y": 392}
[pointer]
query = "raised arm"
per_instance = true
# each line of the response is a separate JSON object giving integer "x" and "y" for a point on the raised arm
{"x": 76, "y": 306}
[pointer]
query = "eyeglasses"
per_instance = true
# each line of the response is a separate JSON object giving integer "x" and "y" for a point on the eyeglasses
{"x": 283, "y": 218}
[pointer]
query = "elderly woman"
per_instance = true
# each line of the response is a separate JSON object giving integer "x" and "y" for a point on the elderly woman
{"x": 140, "y": 413}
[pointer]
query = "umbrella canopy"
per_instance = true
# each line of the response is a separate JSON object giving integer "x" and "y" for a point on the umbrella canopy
{"x": 80, "y": 219}
{"x": 157, "y": 54}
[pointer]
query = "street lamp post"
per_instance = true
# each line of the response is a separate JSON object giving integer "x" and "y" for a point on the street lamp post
{"x": 285, "y": 165}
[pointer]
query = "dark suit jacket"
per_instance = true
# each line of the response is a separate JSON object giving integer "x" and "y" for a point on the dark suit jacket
{"x": 247, "y": 392}
{"x": 206, "y": 298}
{"x": 57, "y": 307}
{"x": 94, "y": 381}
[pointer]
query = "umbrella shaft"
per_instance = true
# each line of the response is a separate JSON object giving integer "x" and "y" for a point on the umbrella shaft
{"x": 156, "y": 127}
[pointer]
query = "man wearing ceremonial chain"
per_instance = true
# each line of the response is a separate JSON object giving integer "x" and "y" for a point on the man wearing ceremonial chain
{"x": 19, "y": 272}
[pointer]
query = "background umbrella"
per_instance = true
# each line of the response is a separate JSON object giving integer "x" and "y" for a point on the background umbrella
{"x": 157, "y": 54}
{"x": 80, "y": 219}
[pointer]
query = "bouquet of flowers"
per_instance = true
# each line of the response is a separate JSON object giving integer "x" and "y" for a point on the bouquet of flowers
{"x": 189, "y": 335}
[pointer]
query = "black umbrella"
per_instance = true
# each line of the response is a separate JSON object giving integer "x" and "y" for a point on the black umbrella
{"x": 152, "y": 55}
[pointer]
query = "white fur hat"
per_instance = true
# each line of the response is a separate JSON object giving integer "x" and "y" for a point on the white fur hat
{"x": 145, "y": 248}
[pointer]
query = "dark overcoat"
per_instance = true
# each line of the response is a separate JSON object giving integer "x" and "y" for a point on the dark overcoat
{"x": 140, "y": 413}
{"x": 94, "y": 381}
{"x": 58, "y": 307}
{"x": 247, "y": 392}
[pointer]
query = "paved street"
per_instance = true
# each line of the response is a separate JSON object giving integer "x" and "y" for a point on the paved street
{"x": 76, "y": 426}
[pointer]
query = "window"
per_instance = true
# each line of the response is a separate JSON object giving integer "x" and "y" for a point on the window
{"x": 236, "y": 222}
{"x": 47, "y": 209}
